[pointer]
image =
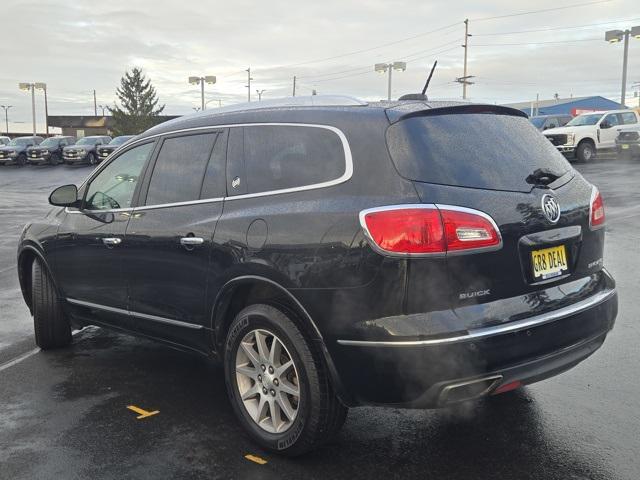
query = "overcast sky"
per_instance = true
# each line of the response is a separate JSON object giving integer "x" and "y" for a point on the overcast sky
{"x": 76, "y": 46}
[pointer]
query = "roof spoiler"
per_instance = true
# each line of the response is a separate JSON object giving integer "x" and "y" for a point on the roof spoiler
{"x": 395, "y": 114}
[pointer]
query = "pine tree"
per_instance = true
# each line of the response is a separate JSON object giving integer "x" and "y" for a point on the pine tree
{"x": 139, "y": 108}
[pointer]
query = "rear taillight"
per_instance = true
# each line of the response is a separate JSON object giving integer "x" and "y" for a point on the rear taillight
{"x": 596, "y": 210}
{"x": 422, "y": 230}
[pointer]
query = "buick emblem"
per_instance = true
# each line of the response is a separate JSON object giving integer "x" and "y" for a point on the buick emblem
{"x": 551, "y": 208}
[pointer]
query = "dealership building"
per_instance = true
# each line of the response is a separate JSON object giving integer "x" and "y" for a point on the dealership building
{"x": 85, "y": 125}
{"x": 569, "y": 106}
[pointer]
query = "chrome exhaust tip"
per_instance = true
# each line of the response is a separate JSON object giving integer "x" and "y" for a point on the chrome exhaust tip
{"x": 468, "y": 389}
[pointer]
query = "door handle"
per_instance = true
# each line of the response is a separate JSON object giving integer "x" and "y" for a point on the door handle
{"x": 110, "y": 242}
{"x": 191, "y": 241}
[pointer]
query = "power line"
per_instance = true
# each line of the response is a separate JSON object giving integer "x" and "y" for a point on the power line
{"x": 575, "y": 5}
{"x": 536, "y": 43}
{"x": 554, "y": 28}
{"x": 355, "y": 52}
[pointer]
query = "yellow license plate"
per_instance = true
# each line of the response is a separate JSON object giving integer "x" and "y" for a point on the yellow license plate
{"x": 625, "y": 146}
{"x": 549, "y": 262}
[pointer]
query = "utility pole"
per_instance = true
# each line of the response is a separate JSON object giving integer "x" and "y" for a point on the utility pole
{"x": 537, "y": 103}
{"x": 249, "y": 84}
{"x": 464, "y": 80}
{"x": 95, "y": 105}
{"x": 294, "y": 85}
{"x": 6, "y": 116}
{"x": 624, "y": 67}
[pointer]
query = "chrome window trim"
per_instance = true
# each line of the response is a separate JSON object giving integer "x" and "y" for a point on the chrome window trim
{"x": 129, "y": 313}
{"x": 428, "y": 206}
{"x": 485, "y": 332}
{"x": 348, "y": 173}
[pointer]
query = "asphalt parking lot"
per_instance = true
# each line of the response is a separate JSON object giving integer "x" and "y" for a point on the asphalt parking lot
{"x": 63, "y": 414}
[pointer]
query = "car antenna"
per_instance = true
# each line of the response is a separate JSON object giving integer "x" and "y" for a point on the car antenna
{"x": 422, "y": 95}
{"x": 426, "y": 85}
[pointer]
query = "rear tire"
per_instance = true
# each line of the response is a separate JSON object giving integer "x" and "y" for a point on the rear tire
{"x": 52, "y": 328}
{"x": 585, "y": 152}
{"x": 318, "y": 413}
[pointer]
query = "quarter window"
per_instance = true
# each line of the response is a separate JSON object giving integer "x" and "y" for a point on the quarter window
{"x": 114, "y": 186}
{"x": 280, "y": 157}
{"x": 628, "y": 118}
{"x": 179, "y": 169}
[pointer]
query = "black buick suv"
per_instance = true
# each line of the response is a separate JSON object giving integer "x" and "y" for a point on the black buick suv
{"x": 333, "y": 253}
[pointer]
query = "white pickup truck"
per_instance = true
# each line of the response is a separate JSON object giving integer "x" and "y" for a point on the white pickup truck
{"x": 583, "y": 136}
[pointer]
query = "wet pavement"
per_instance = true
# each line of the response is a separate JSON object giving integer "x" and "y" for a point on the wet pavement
{"x": 63, "y": 414}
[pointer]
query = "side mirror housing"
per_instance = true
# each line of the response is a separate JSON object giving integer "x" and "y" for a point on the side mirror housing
{"x": 605, "y": 125}
{"x": 65, "y": 196}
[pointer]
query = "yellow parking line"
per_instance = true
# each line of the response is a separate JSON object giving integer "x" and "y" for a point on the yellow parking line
{"x": 142, "y": 413}
{"x": 253, "y": 458}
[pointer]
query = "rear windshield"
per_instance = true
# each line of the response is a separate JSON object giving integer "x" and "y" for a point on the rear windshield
{"x": 477, "y": 150}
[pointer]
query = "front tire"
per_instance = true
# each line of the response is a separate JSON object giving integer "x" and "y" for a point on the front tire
{"x": 22, "y": 160}
{"x": 585, "y": 152}
{"x": 52, "y": 328}
{"x": 55, "y": 159}
{"x": 92, "y": 159}
{"x": 277, "y": 383}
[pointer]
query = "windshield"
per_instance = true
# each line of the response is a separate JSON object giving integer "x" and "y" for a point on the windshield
{"x": 50, "y": 142}
{"x": 583, "y": 120}
{"x": 537, "y": 121}
{"x": 87, "y": 141}
{"x": 119, "y": 140}
{"x": 488, "y": 151}
{"x": 21, "y": 142}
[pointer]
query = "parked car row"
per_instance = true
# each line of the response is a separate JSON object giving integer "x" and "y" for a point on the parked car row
{"x": 54, "y": 150}
{"x": 587, "y": 134}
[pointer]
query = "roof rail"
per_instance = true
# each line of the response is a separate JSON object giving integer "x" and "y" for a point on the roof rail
{"x": 306, "y": 101}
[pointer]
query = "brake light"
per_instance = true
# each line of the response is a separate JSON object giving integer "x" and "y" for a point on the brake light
{"x": 429, "y": 230}
{"x": 596, "y": 210}
{"x": 405, "y": 230}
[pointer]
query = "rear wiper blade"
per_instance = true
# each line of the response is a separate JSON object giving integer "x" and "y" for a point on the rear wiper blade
{"x": 541, "y": 176}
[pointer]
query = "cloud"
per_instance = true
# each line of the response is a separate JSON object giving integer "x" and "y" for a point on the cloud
{"x": 78, "y": 46}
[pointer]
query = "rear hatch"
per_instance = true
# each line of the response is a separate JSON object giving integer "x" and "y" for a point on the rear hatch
{"x": 491, "y": 159}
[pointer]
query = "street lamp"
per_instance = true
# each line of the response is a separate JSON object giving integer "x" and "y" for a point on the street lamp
{"x": 27, "y": 87}
{"x": 43, "y": 86}
{"x": 210, "y": 79}
{"x": 260, "y": 92}
{"x": 389, "y": 67}
{"x": 6, "y": 116}
{"x": 103, "y": 107}
{"x": 616, "y": 36}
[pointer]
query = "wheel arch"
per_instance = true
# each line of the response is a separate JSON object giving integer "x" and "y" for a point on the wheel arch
{"x": 246, "y": 290}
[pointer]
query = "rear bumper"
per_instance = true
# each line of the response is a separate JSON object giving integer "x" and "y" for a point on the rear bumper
{"x": 420, "y": 373}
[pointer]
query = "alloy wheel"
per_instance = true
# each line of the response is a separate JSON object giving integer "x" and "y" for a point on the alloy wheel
{"x": 267, "y": 381}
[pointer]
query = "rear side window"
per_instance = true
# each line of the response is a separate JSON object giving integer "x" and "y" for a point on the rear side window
{"x": 628, "y": 118}
{"x": 279, "y": 157}
{"x": 179, "y": 169}
{"x": 488, "y": 151}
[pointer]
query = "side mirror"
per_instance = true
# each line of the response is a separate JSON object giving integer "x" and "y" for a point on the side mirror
{"x": 604, "y": 124}
{"x": 65, "y": 196}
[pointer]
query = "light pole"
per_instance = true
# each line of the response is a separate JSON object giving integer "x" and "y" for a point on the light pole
{"x": 210, "y": 79}
{"x": 389, "y": 67}
{"x": 260, "y": 92}
{"x": 30, "y": 86}
{"x": 248, "y": 85}
{"x": 43, "y": 86}
{"x": 616, "y": 36}
{"x": 6, "y": 116}
{"x": 103, "y": 107}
